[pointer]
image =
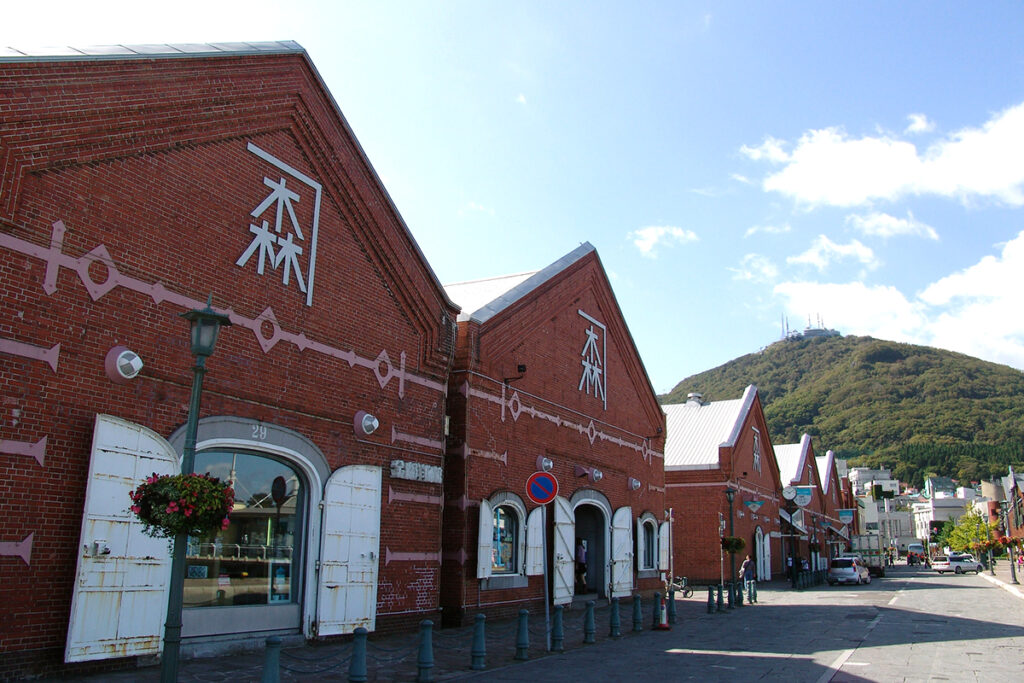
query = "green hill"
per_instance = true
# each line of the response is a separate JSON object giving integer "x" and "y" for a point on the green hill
{"x": 915, "y": 409}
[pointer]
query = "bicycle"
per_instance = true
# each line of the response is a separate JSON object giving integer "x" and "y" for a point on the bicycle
{"x": 679, "y": 584}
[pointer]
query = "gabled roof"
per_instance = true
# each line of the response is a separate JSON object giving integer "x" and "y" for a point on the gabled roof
{"x": 825, "y": 464}
{"x": 174, "y": 51}
{"x": 694, "y": 431}
{"x": 791, "y": 458}
{"x": 481, "y": 300}
{"x": 64, "y": 53}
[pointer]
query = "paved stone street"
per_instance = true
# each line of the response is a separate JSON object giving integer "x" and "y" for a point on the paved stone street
{"x": 912, "y": 625}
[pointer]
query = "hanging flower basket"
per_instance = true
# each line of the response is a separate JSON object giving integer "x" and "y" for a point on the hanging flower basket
{"x": 193, "y": 504}
{"x": 733, "y": 544}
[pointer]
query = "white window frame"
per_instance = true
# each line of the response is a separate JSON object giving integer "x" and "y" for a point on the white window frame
{"x": 513, "y": 579}
{"x": 757, "y": 449}
{"x": 647, "y": 521}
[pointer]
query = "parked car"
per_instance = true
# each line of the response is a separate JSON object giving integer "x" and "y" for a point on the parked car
{"x": 848, "y": 570}
{"x": 958, "y": 564}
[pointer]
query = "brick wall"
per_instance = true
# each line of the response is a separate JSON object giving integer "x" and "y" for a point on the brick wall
{"x": 543, "y": 414}
{"x": 148, "y": 159}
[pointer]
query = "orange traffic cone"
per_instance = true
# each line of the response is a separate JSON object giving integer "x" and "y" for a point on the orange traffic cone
{"x": 662, "y": 624}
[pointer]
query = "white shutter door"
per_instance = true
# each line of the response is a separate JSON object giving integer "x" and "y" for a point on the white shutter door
{"x": 563, "y": 581}
{"x": 663, "y": 559}
{"x": 485, "y": 541}
{"x": 120, "y": 597}
{"x": 350, "y": 550}
{"x": 641, "y": 543}
{"x": 535, "y": 542}
{"x": 622, "y": 555}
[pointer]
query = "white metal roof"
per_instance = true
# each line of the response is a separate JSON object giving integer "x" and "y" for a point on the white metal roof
{"x": 482, "y": 299}
{"x": 472, "y": 295}
{"x": 63, "y": 53}
{"x": 694, "y": 430}
{"x": 791, "y": 457}
{"x": 825, "y": 463}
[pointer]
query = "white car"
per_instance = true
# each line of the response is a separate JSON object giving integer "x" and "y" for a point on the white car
{"x": 958, "y": 564}
{"x": 848, "y": 570}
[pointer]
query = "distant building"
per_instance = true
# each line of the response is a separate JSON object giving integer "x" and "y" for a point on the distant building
{"x": 933, "y": 486}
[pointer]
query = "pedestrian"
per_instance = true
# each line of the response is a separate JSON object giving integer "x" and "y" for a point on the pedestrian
{"x": 581, "y": 566}
{"x": 749, "y": 576}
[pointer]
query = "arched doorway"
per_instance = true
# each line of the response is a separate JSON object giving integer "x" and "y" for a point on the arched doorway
{"x": 590, "y": 531}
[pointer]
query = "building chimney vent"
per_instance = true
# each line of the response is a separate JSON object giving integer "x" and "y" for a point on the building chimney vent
{"x": 695, "y": 398}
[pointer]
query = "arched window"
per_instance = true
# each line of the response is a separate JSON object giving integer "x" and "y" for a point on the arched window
{"x": 650, "y": 545}
{"x": 256, "y": 560}
{"x": 646, "y": 542}
{"x": 505, "y": 544}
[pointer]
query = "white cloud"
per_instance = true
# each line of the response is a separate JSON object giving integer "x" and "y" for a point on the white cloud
{"x": 741, "y": 179}
{"x": 827, "y": 167}
{"x": 521, "y": 98}
{"x": 885, "y": 226}
{"x": 649, "y": 238}
{"x": 473, "y": 207}
{"x": 755, "y": 268}
{"x": 770, "y": 229}
{"x": 855, "y": 308}
{"x": 975, "y": 311}
{"x": 919, "y": 123}
{"x": 770, "y": 150}
{"x": 823, "y": 252}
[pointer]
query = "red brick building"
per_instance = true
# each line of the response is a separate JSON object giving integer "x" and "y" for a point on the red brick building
{"x": 135, "y": 184}
{"x": 833, "y": 535}
{"x": 547, "y": 378}
{"x": 712, "y": 448}
{"x": 807, "y": 518}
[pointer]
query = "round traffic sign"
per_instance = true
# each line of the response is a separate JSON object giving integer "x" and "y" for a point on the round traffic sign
{"x": 541, "y": 487}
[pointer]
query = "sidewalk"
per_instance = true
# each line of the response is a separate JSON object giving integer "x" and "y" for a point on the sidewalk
{"x": 394, "y": 657}
{"x": 1004, "y": 578}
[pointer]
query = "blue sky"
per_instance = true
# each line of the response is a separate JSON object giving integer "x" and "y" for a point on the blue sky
{"x": 734, "y": 163}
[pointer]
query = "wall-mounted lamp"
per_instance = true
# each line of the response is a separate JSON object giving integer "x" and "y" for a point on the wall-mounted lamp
{"x": 364, "y": 423}
{"x": 634, "y": 483}
{"x": 122, "y": 364}
{"x": 544, "y": 464}
{"x": 592, "y": 473}
{"x": 521, "y": 369}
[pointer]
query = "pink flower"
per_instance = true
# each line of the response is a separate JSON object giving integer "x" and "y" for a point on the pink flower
{"x": 225, "y": 524}
{"x": 136, "y": 509}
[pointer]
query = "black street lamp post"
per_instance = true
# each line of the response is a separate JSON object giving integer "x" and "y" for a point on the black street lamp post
{"x": 730, "y": 494}
{"x": 206, "y": 323}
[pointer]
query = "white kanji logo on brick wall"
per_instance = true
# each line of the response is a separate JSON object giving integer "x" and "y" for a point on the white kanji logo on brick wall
{"x": 283, "y": 245}
{"x": 593, "y": 357}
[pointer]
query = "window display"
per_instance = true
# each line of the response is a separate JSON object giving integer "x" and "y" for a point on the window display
{"x": 254, "y": 561}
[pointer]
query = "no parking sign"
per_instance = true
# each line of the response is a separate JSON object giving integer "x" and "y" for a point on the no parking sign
{"x": 541, "y": 487}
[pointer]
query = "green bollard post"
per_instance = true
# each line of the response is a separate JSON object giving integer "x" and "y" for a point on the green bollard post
{"x": 711, "y": 599}
{"x": 523, "y": 636}
{"x": 588, "y": 624}
{"x": 614, "y": 623}
{"x": 719, "y": 605}
{"x": 272, "y": 661}
{"x": 357, "y": 665}
{"x": 425, "y": 660}
{"x": 656, "y": 615}
{"x": 638, "y": 614}
{"x": 557, "y": 631}
{"x": 478, "y": 653}
{"x": 671, "y": 607}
